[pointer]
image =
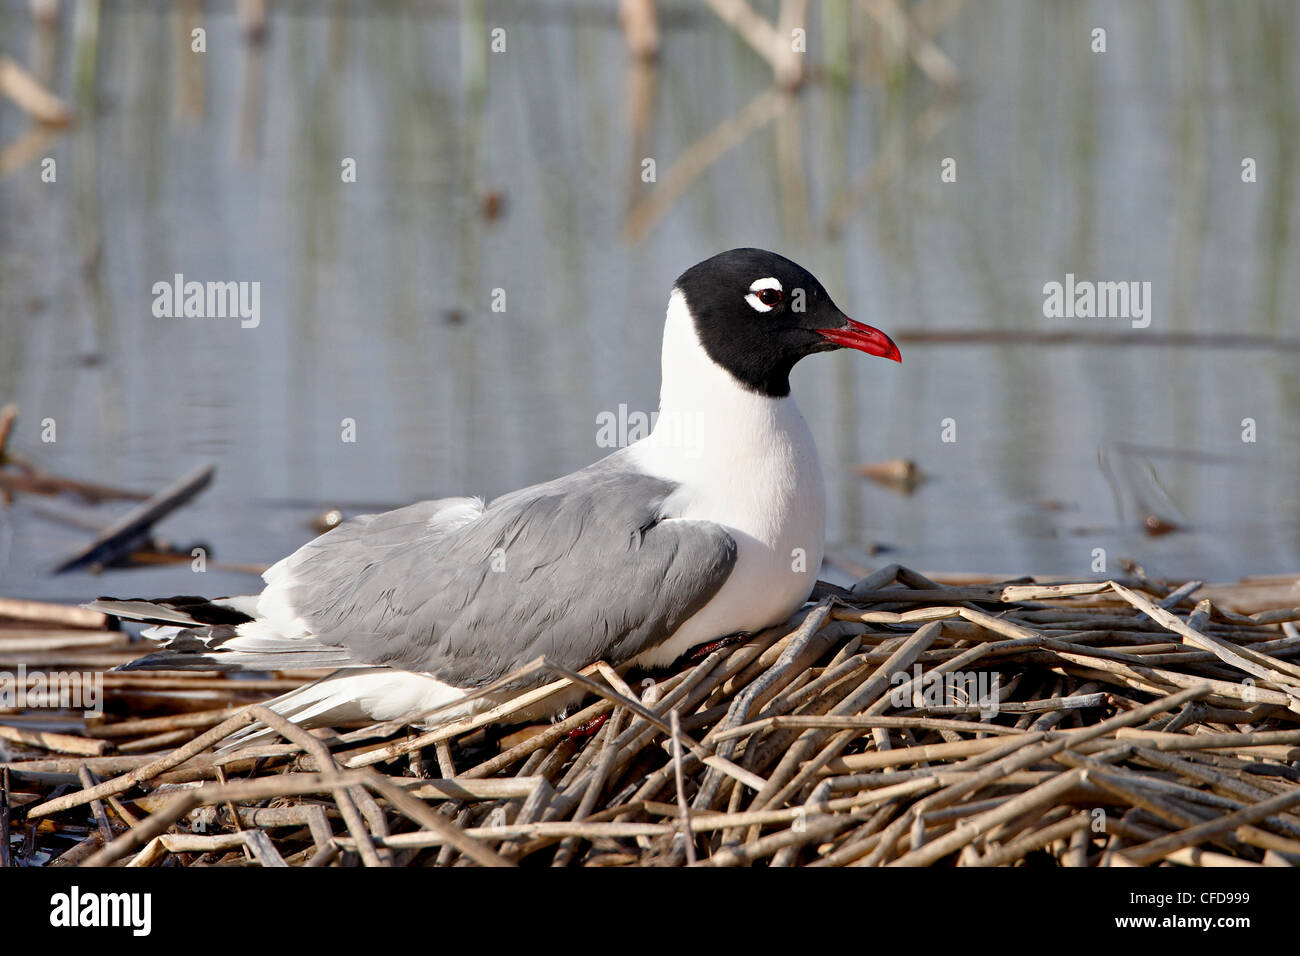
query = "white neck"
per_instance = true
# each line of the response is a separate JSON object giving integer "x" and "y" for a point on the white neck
{"x": 746, "y": 462}
{"x": 704, "y": 411}
{"x": 722, "y": 440}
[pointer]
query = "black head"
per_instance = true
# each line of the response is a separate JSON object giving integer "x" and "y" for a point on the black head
{"x": 757, "y": 314}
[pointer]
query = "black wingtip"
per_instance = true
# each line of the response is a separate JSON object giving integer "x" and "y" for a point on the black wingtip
{"x": 198, "y": 610}
{"x": 173, "y": 661}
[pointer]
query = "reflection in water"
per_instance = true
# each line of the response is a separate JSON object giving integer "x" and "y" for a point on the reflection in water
{"x": 378, "y": 295}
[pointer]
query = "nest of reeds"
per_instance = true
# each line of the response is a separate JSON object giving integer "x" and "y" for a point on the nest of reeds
{"x": 901, "y": 723}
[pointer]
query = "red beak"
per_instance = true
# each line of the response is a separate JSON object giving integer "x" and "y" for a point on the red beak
{"x": 864, "y": 338}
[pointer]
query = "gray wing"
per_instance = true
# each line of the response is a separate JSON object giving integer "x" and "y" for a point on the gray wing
{"x": 579, "y": 569}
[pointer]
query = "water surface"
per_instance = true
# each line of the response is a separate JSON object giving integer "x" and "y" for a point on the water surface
{"x": 376, "y": 295}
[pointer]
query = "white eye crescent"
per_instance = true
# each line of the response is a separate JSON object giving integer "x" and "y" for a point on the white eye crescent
{"x": 764, "y": 294}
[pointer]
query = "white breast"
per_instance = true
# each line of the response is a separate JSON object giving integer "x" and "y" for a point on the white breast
{"x": 747, "y": 462}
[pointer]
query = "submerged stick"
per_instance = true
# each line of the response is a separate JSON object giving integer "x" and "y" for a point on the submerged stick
{"x": 119, "y": 536}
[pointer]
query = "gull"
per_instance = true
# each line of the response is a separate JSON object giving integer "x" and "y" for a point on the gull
{"x": 711, "y": 526}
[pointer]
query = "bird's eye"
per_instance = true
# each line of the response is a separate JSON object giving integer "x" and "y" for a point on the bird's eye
{"x": 764, "y": 294}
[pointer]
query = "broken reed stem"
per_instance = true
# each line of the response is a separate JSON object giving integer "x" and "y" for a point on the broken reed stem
{"x": 148, "y": 771}
{"x": 682, "y": 804}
